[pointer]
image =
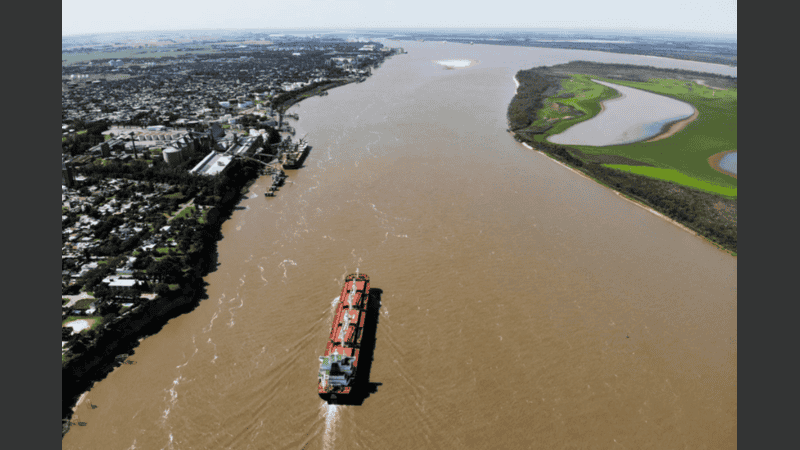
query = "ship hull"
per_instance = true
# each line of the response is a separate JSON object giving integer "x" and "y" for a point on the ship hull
{"x": 339, "y": 366}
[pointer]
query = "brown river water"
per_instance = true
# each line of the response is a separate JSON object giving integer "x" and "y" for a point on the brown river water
{"x": 522, "y": 306}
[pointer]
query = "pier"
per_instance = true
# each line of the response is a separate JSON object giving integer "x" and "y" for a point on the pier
{"x": 283, "y": 155}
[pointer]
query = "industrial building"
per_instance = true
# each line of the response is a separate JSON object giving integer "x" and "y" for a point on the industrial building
{"x": 216, "y": 162}
{"x": 172, "y": 156}
{"x": 213, "y": 164}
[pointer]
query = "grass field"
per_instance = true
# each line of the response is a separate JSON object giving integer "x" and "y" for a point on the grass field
{"x": 186, "y": 212}
{"x": 675, "y": 177}
{"x": 72, "y": 58}
{"x": 682, "y": 158}
{"x": 587, "y": 98}
{"x": 83, "y": 304}
{"x": 190, "y": 211}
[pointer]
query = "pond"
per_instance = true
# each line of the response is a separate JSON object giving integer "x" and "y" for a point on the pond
{"x": 728, "y": 163}
{"x": 634, "y": 116}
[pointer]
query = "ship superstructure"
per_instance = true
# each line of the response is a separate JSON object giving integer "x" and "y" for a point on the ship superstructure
{"x": 339, "y": 365}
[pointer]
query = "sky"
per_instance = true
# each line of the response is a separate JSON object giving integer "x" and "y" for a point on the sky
{"x": 714, "y": 17}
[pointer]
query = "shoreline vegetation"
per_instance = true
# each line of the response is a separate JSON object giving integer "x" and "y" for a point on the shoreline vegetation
{"x": 286, "y": 100}
{"x": 114, "y": 338}
{"x": 671, "y": 177}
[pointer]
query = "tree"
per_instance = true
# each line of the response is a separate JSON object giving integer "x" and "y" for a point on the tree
{"x": 78, "y": 346}
{"x": 162, "y": 290}
{"x": 108, "y": 308}
{"x": 103, "y": 293}
{"x": 167, "y": 270}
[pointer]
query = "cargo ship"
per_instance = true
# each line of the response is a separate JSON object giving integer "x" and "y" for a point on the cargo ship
{"x": 339, "y": 365}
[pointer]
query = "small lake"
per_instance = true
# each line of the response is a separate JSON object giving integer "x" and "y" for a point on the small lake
{"x": 635, "y": 116}
{"x": 728, "y": 163}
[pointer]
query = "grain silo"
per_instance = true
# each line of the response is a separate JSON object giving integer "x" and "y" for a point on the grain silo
{"x": 172, "y": 156}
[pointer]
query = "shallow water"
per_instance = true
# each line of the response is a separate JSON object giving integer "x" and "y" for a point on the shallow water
{"x": 523, "y": 305}
{"x": 455, "y": 62}
{"x": 728, "y": 162}
{"x": 635, "y": 116}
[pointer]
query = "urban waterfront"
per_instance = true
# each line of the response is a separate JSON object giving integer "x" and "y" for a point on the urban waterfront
{"x": 522, "y": 305}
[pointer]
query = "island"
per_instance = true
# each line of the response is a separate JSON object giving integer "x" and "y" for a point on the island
{"x": 675, "y": 173}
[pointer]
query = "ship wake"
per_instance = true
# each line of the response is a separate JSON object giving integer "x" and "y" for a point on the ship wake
{"x": 331, "y": 413}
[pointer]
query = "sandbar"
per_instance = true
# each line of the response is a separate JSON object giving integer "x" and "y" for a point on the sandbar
{"x": 714, "y": 160}
{"x": 676, "y": 126}
{"x": 456, "y": 63}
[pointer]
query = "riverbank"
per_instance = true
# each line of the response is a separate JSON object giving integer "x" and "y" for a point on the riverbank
{"x": 707, "y": 214}
{"x": 117, "y": 338}
{"x": 118, "y": 335}
{"x": 640, "y": 205}
{"x": 116, "y": 341}
{"x": 286, "y": 100}
{"x": 714, "y": 162}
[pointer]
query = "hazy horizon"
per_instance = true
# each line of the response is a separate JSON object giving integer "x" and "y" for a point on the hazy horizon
{"x": 622, "y": 32}
{"x": 717, "y": 18}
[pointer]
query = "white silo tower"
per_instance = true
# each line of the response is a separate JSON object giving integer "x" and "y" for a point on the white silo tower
{"x": 172, "y": 156}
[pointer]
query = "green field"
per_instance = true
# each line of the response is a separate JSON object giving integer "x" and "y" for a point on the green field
{"x": 83, "y": 304}
{"x": 191, "y": 211}
{"x": 682, "y": 158}
{"x": 587, "y": 98}
{"x": 675, "y": 177}
{"x": 135, "y": 53}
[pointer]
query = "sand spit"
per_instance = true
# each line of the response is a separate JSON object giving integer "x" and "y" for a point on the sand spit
{"x": 676, "y": 127}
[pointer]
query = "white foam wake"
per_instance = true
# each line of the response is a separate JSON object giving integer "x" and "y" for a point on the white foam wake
{"x": 331, "y": 413}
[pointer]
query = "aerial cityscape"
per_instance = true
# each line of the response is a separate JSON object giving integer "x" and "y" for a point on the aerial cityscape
{"x": 471, "y": 232}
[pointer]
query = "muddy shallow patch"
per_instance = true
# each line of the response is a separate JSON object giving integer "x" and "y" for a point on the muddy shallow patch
{"x": 456, "y": 63}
